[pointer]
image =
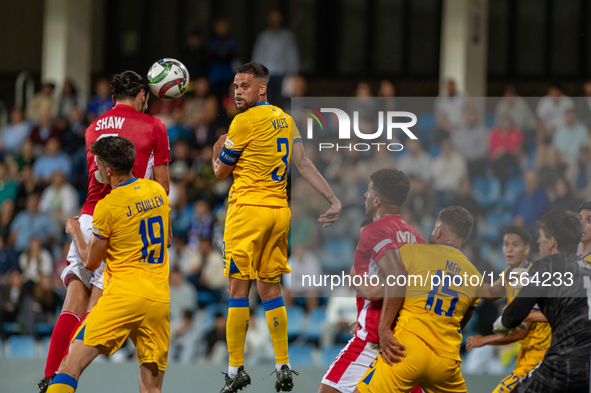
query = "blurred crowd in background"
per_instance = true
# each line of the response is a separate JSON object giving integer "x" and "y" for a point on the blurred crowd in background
{"x": 509, "y": 164}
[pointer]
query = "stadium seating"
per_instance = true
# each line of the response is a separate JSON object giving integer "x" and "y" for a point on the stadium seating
{"x": 21, "y": 347}
{"x": 496, "y": 220}
{"x": 315, "y": 319}
{"x": 337, "y": 254}
{"x": 514, "y": 187}
{"x": 489, "y": 121}
{"x": 425, "y": 124}
{"x": 45, "y": 346}
{"x": 295, "y": 327}
{"x": 300, "y": 354}
{"x": 44, "y": 329}
{"x": 328, "y": 355}
{"x": 486, "y": 190}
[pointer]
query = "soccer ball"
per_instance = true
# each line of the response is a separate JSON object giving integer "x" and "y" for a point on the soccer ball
{"x": 168, "y": 79}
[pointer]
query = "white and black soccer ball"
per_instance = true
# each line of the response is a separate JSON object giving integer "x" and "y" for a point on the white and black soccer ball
{"x": 168, "y": 78}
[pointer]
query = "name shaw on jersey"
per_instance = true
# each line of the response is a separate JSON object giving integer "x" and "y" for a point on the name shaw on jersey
{"x": 109, "y": 122}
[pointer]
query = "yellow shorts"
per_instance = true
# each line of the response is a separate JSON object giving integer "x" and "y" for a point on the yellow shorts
{"x": 421, "y": 366}
{"x": 255, "y": 242}
{"x": 116, "y": 317}
{"x": 526, "y": 361}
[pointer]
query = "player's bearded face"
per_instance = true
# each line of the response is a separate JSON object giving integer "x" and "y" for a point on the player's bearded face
{"x": 247, "y": 91}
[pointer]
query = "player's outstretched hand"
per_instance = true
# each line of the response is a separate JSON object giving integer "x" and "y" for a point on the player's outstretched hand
{"x": 474, "y": 342}
{"x": 502, "y": 331}
{"x": 72, "y": 224}
{"x": 332, "y": 214}
{"x": 390, "y": 349}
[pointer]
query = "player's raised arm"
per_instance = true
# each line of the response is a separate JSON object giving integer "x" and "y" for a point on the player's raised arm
{"x": 221, "y": 169}
{"x": 478, "y": 341}
{"x": 311, "y": 174}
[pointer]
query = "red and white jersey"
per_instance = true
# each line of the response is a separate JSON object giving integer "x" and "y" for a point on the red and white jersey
{"x": 148, "y": 135}
{"x": 388, "y": 233}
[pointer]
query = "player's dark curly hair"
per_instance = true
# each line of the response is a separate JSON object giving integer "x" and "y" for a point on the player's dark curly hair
{"x": 127, "y": 85}
{"x": 458, "y": 219}
{"x": 519, "y": 231}
{"x": 256, "y": 69}
{"x": 585, "y": 206}
{"x": 116, "y": 152}
{"x": 564, "y": 226}
{"x": 391, "y": 185}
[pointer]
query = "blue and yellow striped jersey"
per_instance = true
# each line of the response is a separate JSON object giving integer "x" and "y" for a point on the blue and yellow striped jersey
{"x": 135, "y": 218}
{"x": 260, "y": 143}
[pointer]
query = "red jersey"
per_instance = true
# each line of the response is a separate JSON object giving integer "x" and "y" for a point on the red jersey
{"x": 148, "y": 135}
{"x": 388, "y": 233}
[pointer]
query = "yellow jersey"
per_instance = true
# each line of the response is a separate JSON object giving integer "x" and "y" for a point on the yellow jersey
{"x": 135, "y": 219}
{"x": 587, "y": 258}
{"x": 540, "y": 335}
{"x": 433, "y": 308}
{"x": 259, "y": 143}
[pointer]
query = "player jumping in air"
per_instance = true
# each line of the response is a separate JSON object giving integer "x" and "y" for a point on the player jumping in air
{"x": 431, "y": 317}
{"x": 560, "y": 284}
{"x": 386, "y": 192}
{"x": 131, "y": 227}
{"x": 534, "y": 340}
{"x": 258, "y": 148}
{"x": 149, "y": 136}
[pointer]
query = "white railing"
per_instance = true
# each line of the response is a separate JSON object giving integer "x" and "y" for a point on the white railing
{"x": 24, "y": 89}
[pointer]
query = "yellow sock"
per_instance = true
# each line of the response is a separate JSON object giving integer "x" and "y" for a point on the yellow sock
{"x": 236, "y": 328}
{"x": 62, "y": 383}
{"x": 277, "y": 323}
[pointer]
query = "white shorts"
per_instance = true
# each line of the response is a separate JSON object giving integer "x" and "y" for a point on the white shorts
{"x": 350, "y": 365}
{"x": 75, "y": 265}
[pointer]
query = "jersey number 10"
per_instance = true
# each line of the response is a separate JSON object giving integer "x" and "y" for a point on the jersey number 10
{"x": 149, "y": 239}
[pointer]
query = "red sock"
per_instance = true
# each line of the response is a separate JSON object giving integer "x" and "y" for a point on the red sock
{"x": 74, "y": 332}
{"x": 60, "y": 341}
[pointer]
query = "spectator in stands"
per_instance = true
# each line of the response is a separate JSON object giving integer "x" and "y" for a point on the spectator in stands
{"x": 417, "y": 162}
{"x": 39, "y": 305}
{"x": 44, "y": 131}
{"x": 54, "y": 160}
{"x": 101, "y": 102}
{"x": 447, "y": 171}
{"x": 73, "y": 135}
{"x": 387, "y": 91}
{"x": 67, "y": 99}
{"x": 583, "y": 105}
{"x": 449, "y": 111}
{"x": 258, "y": 348}
{"x": 276, "y": 48}
{"x": 505, "y": 146}
{"x": 563, "y": 197}
{"x": 516, "y": 109}
{"x": 551, "y": 111}
{"x": 204, "y": 131}
{"x": 59, "y": 264}
{"x": 9, "y": 187}
{"x": 31, "y": 223}
{"x": 532, "y": 204}
{"x": 422, "y": 201}
{"x": 579, "y": 175}
{"x": 176, "y": 129}
{"x": 470, "y": 140}
{"x": 12, "y": 297}
{"x": 569, "y": 138}
{"x": 178, "y": 252}
{"x": 217, "y": 334}
{"x": 182, "y": 295}
{"x": 6, "y": 216}
{"x": 201, "y": 224}
{"x": 26, "y": 156}
{"x": 15, "y": 132}
{"x": 59, "y": 200}
{"x": 211, "y": 277}
{"x": 341, "y": 311}
{"x": 222, "y": 49}
{"x": 200, "y": 99}
{"x": 194, "y": 55}
{"x": 465, "y": 198}
{"x": 27, "y": 185}
{"x": 35, "y": 261}
{"x": 8, "y": 261}
{"x": 42, "y": 102}
{"x": 550, "y": 165}
{"x": 302, "y": 261}
{"x": 183, "y": 336}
